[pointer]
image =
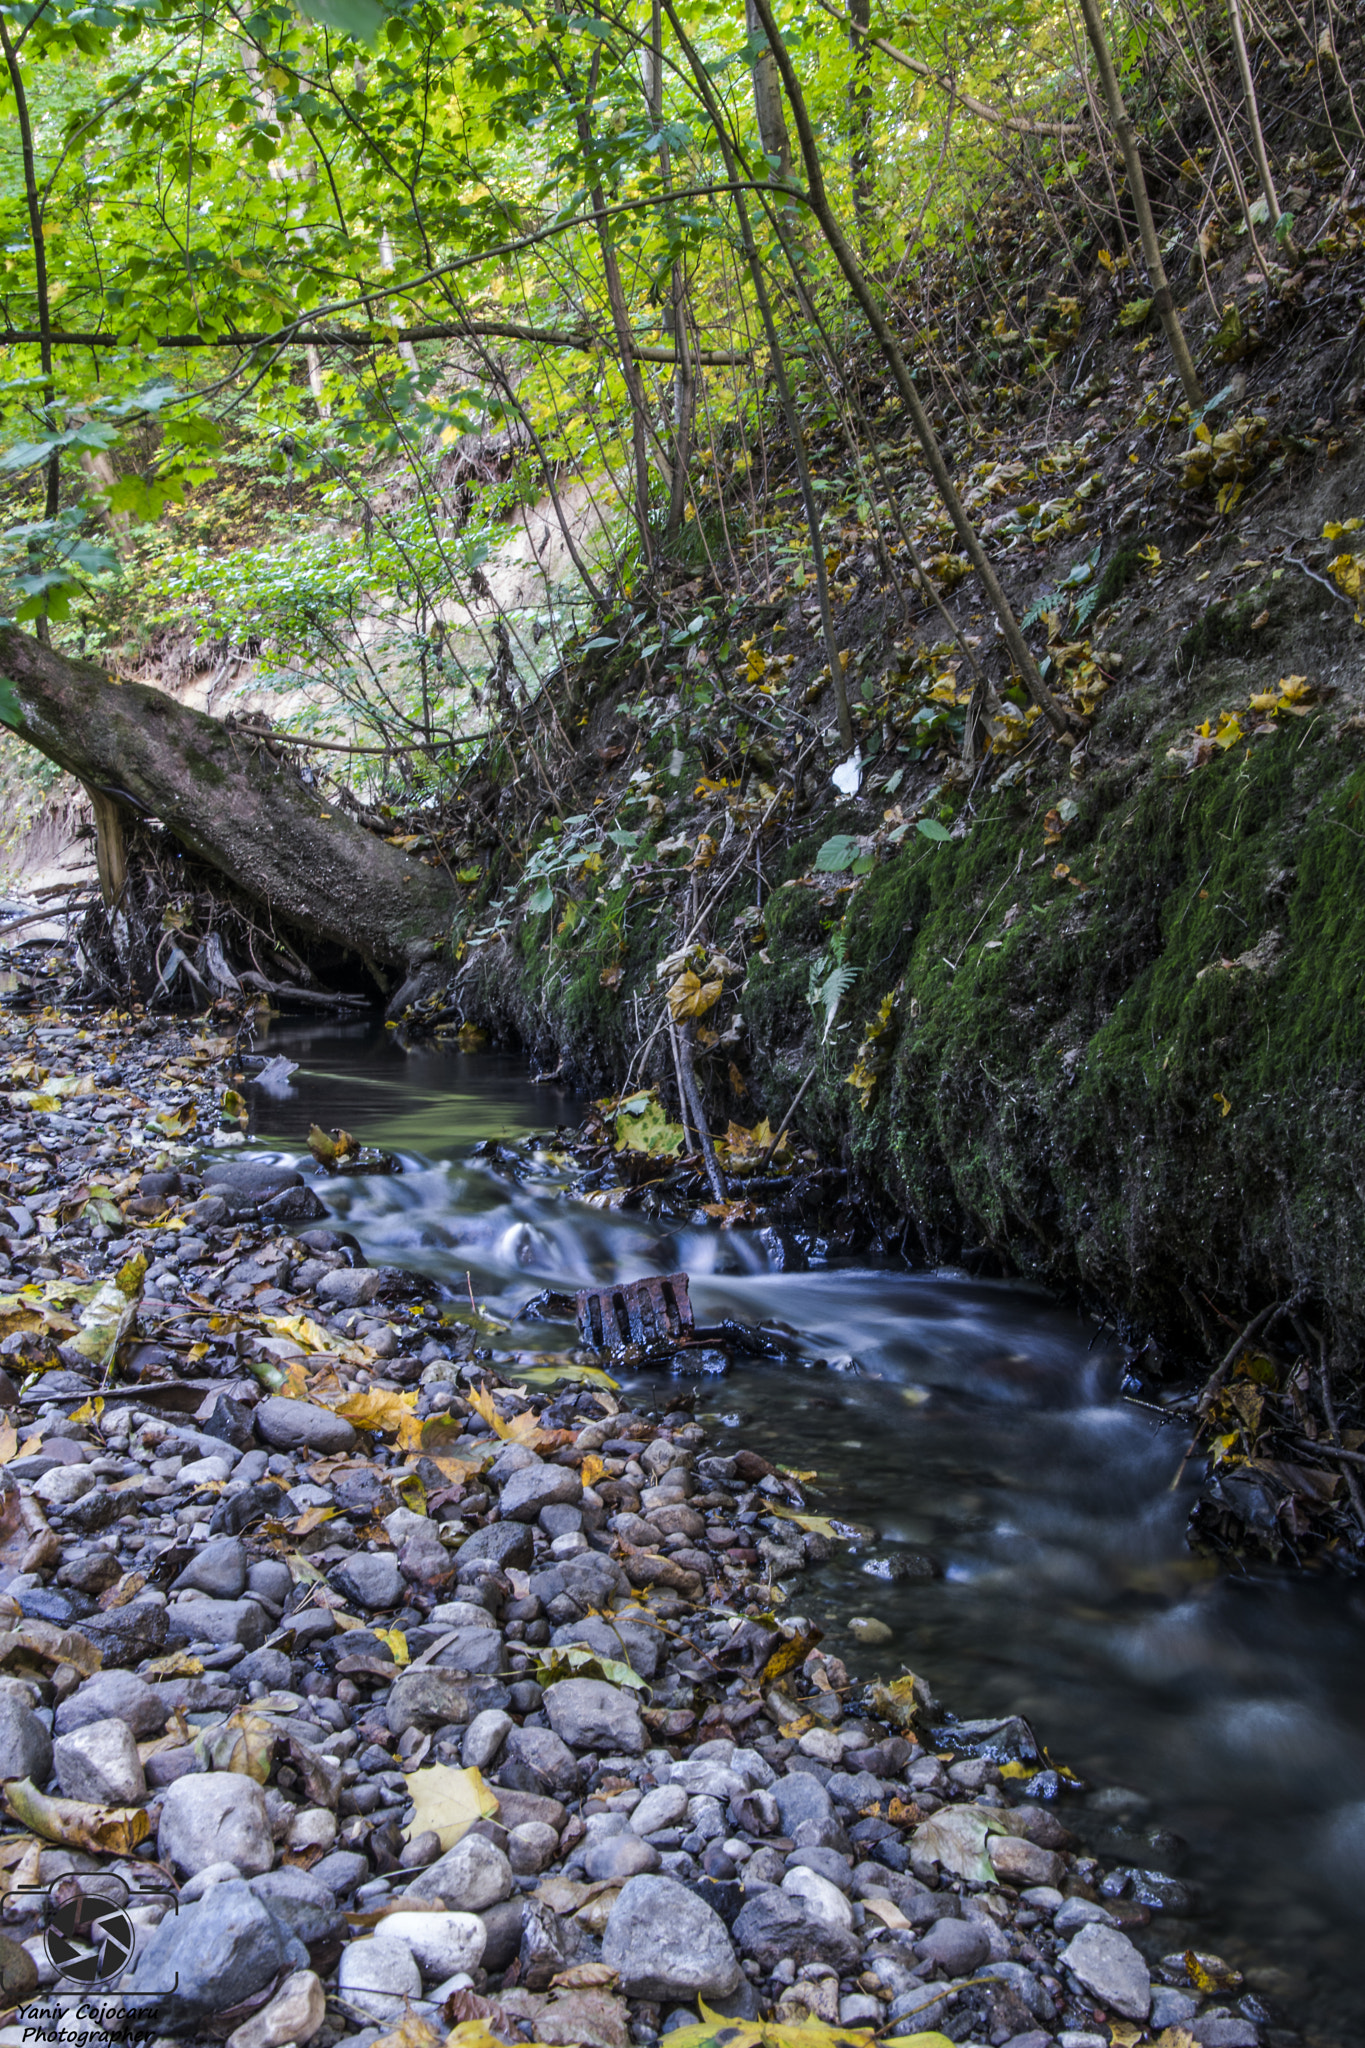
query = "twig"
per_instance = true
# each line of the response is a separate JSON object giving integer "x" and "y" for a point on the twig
{"x": 766, "y": 1154}
{"x": 1303, "y": 567}
{"x": 1330, "y": 1412}
{"x": 1253, "y": 1330}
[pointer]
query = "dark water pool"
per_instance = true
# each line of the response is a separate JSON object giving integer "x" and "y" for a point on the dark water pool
{"x": 976, "y": 1430}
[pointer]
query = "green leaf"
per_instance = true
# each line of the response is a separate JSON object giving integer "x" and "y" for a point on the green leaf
{"x": 542, "y": 899}
{"x": 359, "y": 19}
{"x": 11, "y": 710}
{"x": 836, "y": 855}
{"x": 931, "y": 829}
{"x": 570, "y": 1661}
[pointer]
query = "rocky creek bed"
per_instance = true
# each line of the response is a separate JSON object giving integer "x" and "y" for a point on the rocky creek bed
{"x": 406, "y": 1700}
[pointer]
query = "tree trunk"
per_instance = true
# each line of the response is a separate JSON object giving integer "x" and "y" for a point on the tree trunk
{"x": 230, "y": 799}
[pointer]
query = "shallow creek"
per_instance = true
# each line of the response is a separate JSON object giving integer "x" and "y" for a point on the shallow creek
{"x": 976, "y": 1432}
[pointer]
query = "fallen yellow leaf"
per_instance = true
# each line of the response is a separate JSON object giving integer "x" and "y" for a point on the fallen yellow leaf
{"x": 447, "y": 1802}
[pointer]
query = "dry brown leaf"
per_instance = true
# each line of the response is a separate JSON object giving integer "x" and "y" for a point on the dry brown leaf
{"x": 584, "y": 1977}
{"x": 100, "y": 1830}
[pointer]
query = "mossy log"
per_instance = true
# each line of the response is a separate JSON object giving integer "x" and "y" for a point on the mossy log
{"x": 232, "y": 800}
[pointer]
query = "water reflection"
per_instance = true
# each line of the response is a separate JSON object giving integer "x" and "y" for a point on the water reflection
{"x": 1026, "y": 1527}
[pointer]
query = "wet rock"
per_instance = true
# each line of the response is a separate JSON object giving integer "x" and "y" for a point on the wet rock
{"x": 99, "y": 1763}
{"x": 25, "y": 1745}
{"x": 294, "y": 2014}
{"x": 441, "y": 1943}
{"x": 484, "y": 1738}
{"x": 589, "y": 1713}
{"x": 502, "y": 1934}
{"x": 1107, "y": 1964}
{"x": 664, "y": 1807}
{"x": 378, "y": 1977}
{"x": 216, "y": 1817}
{"x": 215, "y": 1953}
{"x": 820, "y": 1897}
{"x": 297, "y": 1425}
{"x": 538, "y": 1760}
{"x": 665, "y": 1943}
{"x": 370, "y": 1578}
{"x": 468, "y": 1878}
{"x": 218, "y": 1570}
{"x": 531, "y": 1848}
{"x": 294, "y": 1205}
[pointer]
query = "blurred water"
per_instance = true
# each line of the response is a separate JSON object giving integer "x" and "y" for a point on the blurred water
{"x": 974, "y": 1429}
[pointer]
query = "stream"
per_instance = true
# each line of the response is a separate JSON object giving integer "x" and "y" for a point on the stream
{"x": 1026, "y": 1523}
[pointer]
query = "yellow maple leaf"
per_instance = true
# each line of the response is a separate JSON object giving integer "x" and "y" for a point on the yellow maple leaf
{"x": 689, "y": 996}
{"x": 448, "y": 1802}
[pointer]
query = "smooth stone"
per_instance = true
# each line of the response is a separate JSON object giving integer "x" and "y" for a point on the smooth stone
{"x": 469, "y": 1878}
{"x": 349, "y": 1286}
{"x": 460, "y": 1614}
{"x": 442, "y": 1943}
{"x": 1019, "y": 1862}
{"x": 613, "y": 1859}
{"x": 429, "y": 1699}
{"x": 99, "y": 1763}
{"x": 219, "y": 1569}
{"x": 801, "y": 1797}
{"x": 531, "y": 1848}
{"x": 537, "y": 1760}
{"x": 225, "y": 1948}
{"x": 774, "y": 1924}
{"x": 955, "y": 1946}
{"x": 371, "y": 1578}
{"x": 588, "y": 1713}
{"x": 215, "y": 1817}
{"x": 820, "y": 1897}
{"x": 294, "y": 2014}
{"x": 484, "y": 1738}
{"x": 1109, "y": 1966}
{"x": 500, "y": 1543}
{"x": 201, "y": 1472}
{"x": 538, "y": 1486}
{"x": 221, "y": 1621}
{"x": 1077, "y": 1913}
{"x": 64, "y": 1485}
{"x": 297, "y": 1425}
{"x": 25, "y": 1745}
{"x": 666, "y": 1943}
{"x": 341, "y": 1871}
{"x": 378, "y": 1977}
{"x": 113, "y": 1695}
{"x": 314, "y": 1827}
{"x": 632, "y": 1644}
{"x": 664, "y": 1807}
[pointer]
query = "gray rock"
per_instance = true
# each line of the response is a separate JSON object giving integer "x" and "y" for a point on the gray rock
{"x": 220, "y": 1621}
{"x": 99, "y": 1763}
{"x": 349, "y": 1286}
{"x": 297, "y": 1425}
{"x": 801, "y": 1797}
{"x": 1171, "y": 2008}
{"x": 1077, "y": 1913}
{"x": 666, "y": 1943}
{"x": 428, "y": 1699}
{"x": 629, "y": 1643}
{"x": 371, "y": 1579}
{"x": 219, "y": 1570}
{"x": 502, "y": 1930}
{"x": 593, "y": 1580}
{"x": 25, "y": 1745}
{"x": 469, "y": 1878}
{"x": 537, "y": 1760}
{"x": 819, "y": 1896}
{"x": 833, "y": 1867}
{"x": 956, "y": 1947}
{"x": 664, "y": 1807}
{"x": 113, "y": 1695}
{"x": 270, "y": 1668}
{"x": 477, "y": 1651}
{"x": 225, "y": 1948}
{"x": 341, "y": 1871}
{"x": 441, "y": 1943}
{"x": 1219, "y": 2030}
{"x": 501, "y": 1543}
{"x": 270, "y": 1579}
{"x": 532, "y": 1846}
{"x": 215, "y": 1817}
{"x": 1110, "y": 1967}
{"x": 588, "y": 1713}
{"x": 378, "y": 1977}
{"x": 773, "y": 1924}
{"x": 611, "y": 1859}
{"x": 484, "y": 1738}
{"x": 125, "y": 1635}
{"x": 536, "y": 1487}
{"x": 511, "y": 1458}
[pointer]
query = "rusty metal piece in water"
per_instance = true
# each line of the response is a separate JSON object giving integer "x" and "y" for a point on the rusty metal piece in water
{"x": 645, "y": 1312}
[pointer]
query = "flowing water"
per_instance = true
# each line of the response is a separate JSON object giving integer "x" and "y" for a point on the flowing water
{"x": 976, "y": 1431}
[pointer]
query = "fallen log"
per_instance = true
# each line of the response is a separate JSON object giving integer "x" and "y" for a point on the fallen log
{"x": 231, "y": 800}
